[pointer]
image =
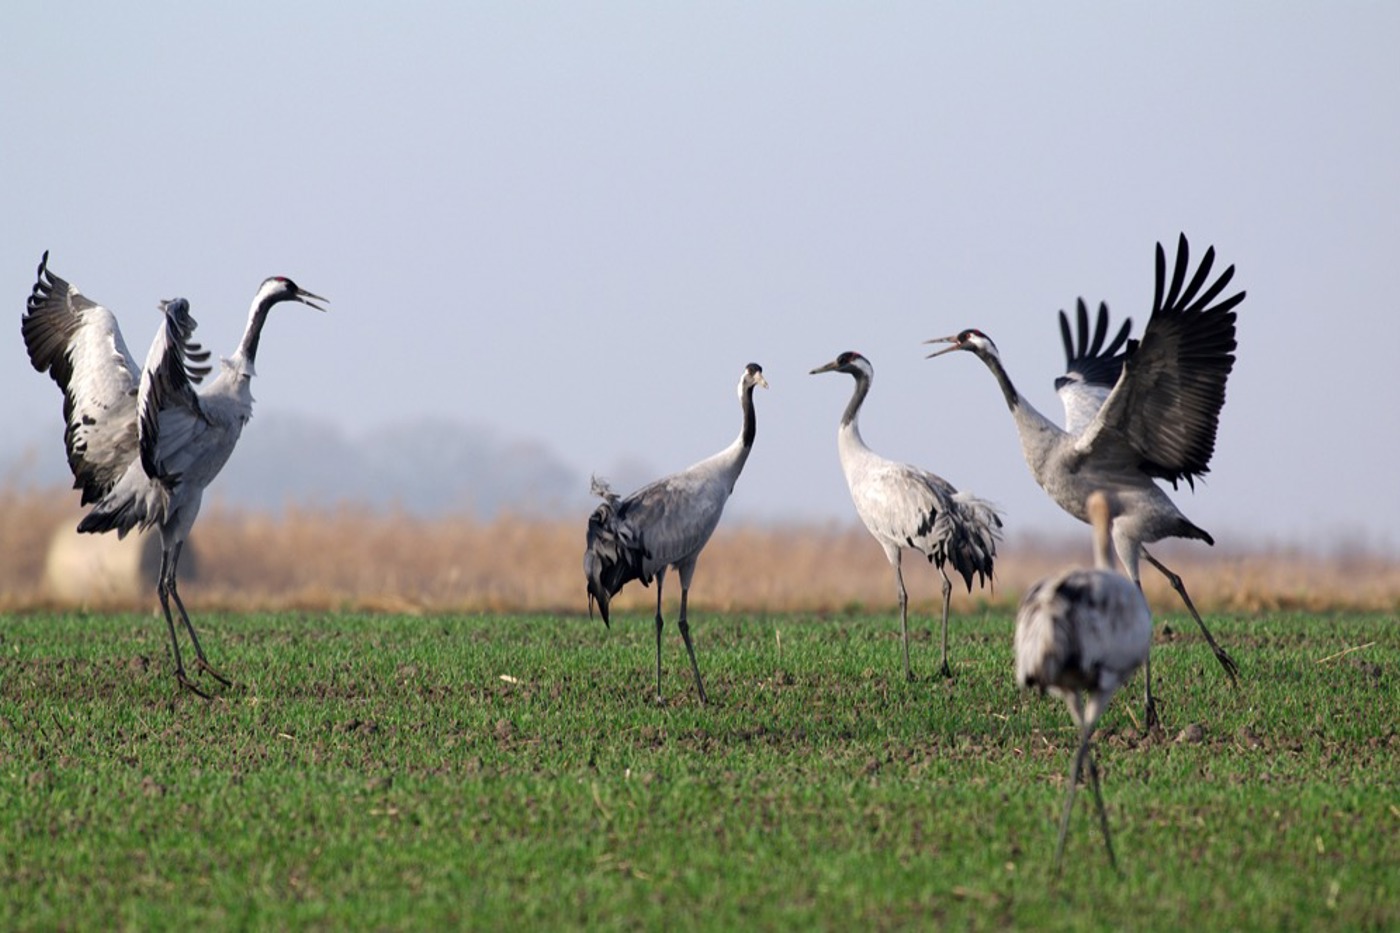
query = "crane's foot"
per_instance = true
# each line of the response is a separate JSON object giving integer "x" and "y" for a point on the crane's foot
{"x": 1227, "y": 662}
{"x": 207, "y": 668}
{"x": 190, "y": 685}
{"x": 946, "y": 671}
{"x": 1150, "y": 719}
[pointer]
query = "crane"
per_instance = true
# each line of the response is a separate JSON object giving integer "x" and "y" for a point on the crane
{"x": 904, "y": 506}
{"x": 666, "y": 524}
{"x": 142, "y": 442}
{"x": 1148, "y": 411}
{"x": 1078, "y": 633}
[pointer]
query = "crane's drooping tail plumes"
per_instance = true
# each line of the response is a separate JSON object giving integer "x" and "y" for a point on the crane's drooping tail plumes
{"x": 611, "y": 558}
{"x": 969, "y": 531}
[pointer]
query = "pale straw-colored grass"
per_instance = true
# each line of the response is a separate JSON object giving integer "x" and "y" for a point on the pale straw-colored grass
{"x": 356, "y": 558}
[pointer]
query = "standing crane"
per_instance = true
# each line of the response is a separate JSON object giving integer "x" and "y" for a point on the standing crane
{"x": 142, "y": 443}
{"x": 1132, "y": 417}
{"x": 1083, "y": 632}
{"x": 904, "y": 506}
{"x": 666, "y": 524}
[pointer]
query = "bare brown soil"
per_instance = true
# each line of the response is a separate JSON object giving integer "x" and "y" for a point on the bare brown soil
{"x": 352, "y": 558}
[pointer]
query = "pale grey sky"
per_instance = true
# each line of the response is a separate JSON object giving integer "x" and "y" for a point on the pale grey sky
{"x": 577, "y": 222}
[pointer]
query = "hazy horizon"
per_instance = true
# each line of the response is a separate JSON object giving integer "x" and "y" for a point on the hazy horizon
{"x": 572, "y": 225}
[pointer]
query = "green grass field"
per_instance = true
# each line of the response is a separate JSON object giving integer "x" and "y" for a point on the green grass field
{"x": 396, "y": 772}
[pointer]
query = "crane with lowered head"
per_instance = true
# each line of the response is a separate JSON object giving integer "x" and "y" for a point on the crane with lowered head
{"x": 1083, "y": 632}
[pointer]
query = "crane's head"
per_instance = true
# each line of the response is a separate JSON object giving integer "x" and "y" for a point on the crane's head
{"x": 848, "y": 362}
{"x": 971, "y": 339}
{"x": 280, "y": 288}
{"x": 753, "y": 376}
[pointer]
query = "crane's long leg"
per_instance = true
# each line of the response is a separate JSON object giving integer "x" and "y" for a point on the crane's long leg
{"x": 201, "y": 661}
{"x": 659, "y": 624}
{"x": 947, "y": 596}
{"x": 903, "y": 613}
{"x": 684, "y": 626}
{"x": 163, "y": 591}
{"x": 1149, "y": 714}
{"x": 1103, "y": 814}
{"x": 1149, "y": 717}
{"x": 1075, "y": 770}
{"x": 1227, "y": 662}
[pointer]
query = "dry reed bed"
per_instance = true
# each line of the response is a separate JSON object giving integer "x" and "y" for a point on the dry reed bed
{"x": 355, "y": 558}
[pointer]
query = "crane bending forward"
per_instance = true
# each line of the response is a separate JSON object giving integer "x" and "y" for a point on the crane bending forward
{"x": 1132, "y": 417}
{"x": 1083, "y": 632}
{"x": 666, "y": 524}
{"x": 142, "y": 443}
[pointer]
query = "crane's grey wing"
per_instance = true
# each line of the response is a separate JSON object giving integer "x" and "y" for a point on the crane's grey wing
{"x": 1091, "y": 368}
{"x": 672, "y": 518}
{"x": 905, "y": 505}
{"x": 78, "y": 343}
{"x": 171, "y": 420}
{"x": 1165, "y": 408}
{"x": 901, "y": 503}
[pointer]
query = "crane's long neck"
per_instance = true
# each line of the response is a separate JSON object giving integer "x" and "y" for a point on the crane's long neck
{"x": 1013, "y": 398}
{"x": 730, "y": 461}
{"x": 850, "y": 417}
{"x": 1040, "y": 437}
{"x": 848, "y": 434}
{"x": 739, "y": 450}
{"x": 750, "y": 426}
{"x": 248, "y": 349}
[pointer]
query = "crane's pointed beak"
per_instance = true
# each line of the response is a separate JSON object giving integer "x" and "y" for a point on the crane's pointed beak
{"x": 829, "y": 367}
{"x": 310, "y": 298}
{"x": 760, "y": 381}
{"x": 956, "y": 345}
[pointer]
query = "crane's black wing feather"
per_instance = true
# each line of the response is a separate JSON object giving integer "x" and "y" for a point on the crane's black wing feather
{"x": 78, "y": 343}
{"x": 168, "y": 383}
{"x": 1091, "y": 368}
{"x": 1166, "y": 406}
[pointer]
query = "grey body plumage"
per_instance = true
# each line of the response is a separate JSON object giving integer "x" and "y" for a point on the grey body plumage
{"x": 903, "y": 506}
{"x": 666, "y": 523}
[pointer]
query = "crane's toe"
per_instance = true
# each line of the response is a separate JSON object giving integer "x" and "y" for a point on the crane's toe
{"x": 1227, "y": 662}
{"x": 190, "y": 685}
{"x": 208, "y": 668}
{"x": 1150, "y": 719}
